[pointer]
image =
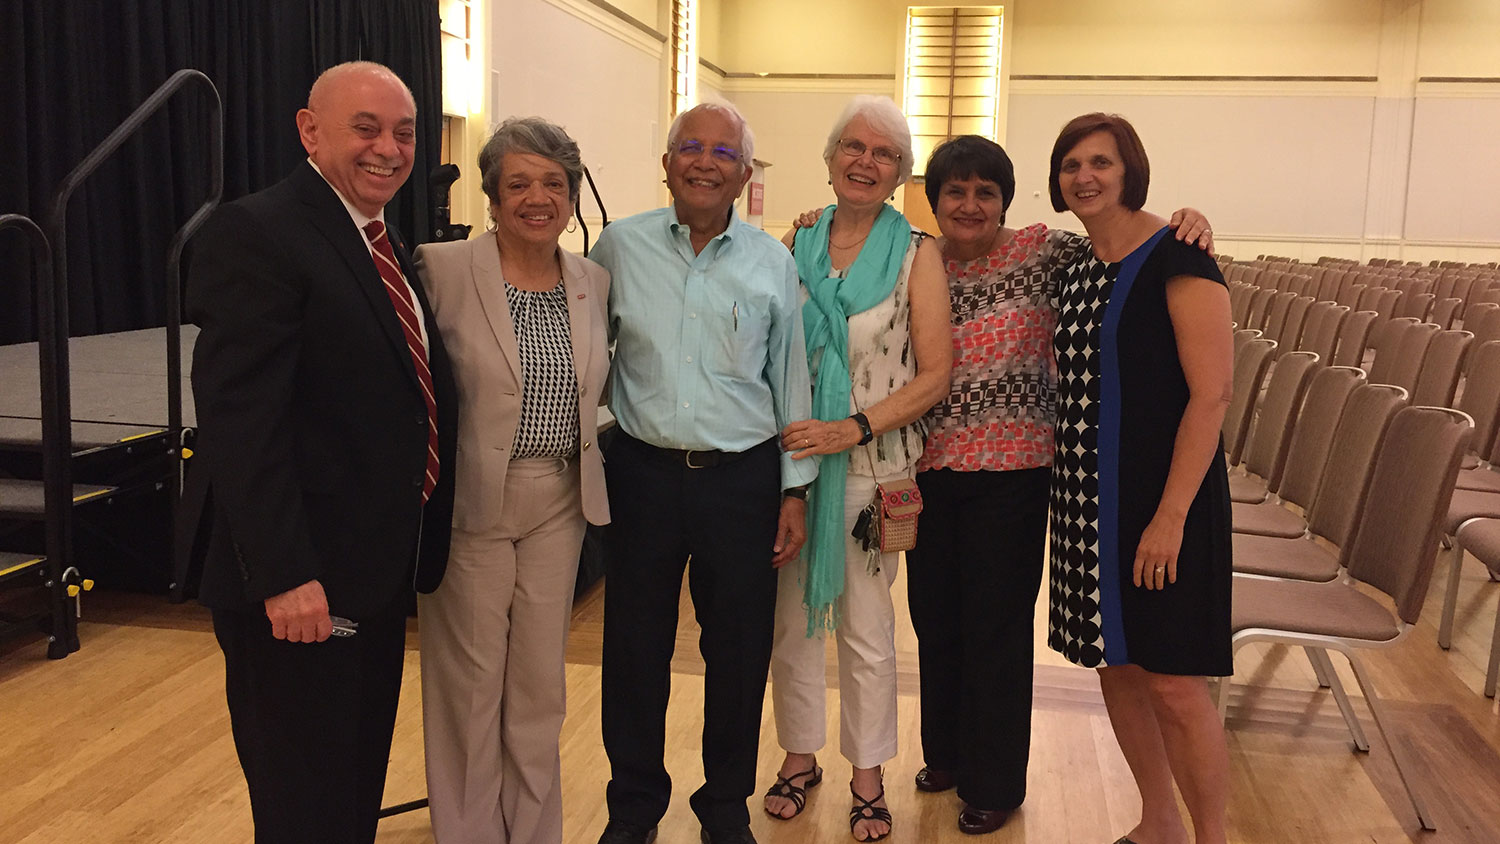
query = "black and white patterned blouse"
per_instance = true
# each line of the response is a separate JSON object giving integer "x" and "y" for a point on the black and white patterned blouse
{"x": 549, "y": 389}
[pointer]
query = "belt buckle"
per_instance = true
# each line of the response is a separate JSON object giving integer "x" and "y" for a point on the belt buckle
{"x": 687, "y": 459}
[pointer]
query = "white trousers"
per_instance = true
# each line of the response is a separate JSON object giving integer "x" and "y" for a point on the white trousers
{"x": 866, "y": 638}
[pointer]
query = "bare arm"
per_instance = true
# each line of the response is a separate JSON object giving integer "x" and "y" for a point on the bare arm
{"x": 932, "y": 343}
{"x": 1199, "y": 309}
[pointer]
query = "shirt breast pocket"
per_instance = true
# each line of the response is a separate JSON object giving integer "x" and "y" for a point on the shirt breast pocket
{"x": 743, "y": 337}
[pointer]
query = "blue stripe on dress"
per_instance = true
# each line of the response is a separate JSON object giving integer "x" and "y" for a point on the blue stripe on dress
{"x": 1111, "y": 614}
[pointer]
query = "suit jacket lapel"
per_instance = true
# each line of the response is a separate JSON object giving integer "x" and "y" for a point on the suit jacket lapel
{"x": 329, "y": 217}
{"x": 580, "y": 311}
{"x": 489, "y": 284}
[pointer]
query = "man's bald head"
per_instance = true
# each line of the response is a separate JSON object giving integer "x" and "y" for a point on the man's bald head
{"x": 360, "y": 128}
{"x": 331, "y": 78}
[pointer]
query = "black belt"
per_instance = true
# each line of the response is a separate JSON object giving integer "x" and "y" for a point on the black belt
{"x": 699, "y": 458}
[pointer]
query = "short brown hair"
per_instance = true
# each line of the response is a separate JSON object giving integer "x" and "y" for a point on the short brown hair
{"x": 1132, "y": 155}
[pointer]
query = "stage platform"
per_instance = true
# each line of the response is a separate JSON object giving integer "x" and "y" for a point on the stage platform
{"x": 119, "y": 382}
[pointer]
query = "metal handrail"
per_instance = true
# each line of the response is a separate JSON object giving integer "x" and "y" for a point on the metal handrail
{"x": 56, "y": 231}
{"x": 56, "y": 466}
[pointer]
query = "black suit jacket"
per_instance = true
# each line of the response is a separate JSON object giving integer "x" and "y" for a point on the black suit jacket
{"x": 312, "y": 426}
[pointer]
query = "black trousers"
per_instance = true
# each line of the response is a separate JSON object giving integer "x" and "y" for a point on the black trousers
{"x": 724, "y": 518}
{"x": 972, "y": 585}
{"x": 312, "y": 724}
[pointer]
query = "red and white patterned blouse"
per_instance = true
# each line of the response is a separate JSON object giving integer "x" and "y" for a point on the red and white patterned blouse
{"x": 999, "y": 413}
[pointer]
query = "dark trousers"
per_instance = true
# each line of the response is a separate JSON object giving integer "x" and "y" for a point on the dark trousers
{"x": 972, "y": 586}
{"x": 724, "y": 518}
{"x": 312, "y": 724}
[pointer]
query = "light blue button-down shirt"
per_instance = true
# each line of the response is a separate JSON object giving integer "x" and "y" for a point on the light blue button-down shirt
{"x": 709, "y": 352}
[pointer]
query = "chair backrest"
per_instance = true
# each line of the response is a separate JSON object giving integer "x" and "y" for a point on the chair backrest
{"x": 1241, "y": 337}
{"x": 1477, "y": 312}
{"x": 1481, "y": 395}
{"x": 1292, "y": 328}
{"x": 1328, "y": 286}
{"x": 1463, "y": 288}
{"x": 1438, "y": 380}
{"x": 1414, "y": 304}
{"x": 1369, "y": 298}
{"x": 1411, "y": 353}
{"x": 1256, "y": 317}
{"x": 1276, "y": 313}
{"x": 1321, "y": 334}
{"x": 1444, "y": 312}
{"x": 1312, "y": 436}
{"x": 1486, "y": 322}
{"x": 1249, "y": 373}
{"x": 1384, "y": 339}
{"x": 1401, "y": 519}
{"x": 1389, "y": 303}
{"x": 1265, "y": 454}
{"x": 1346, "y": 473}
{"x": 1354, "y": 338}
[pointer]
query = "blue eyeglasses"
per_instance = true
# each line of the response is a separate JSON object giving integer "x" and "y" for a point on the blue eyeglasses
{"x": 693, "y": 149}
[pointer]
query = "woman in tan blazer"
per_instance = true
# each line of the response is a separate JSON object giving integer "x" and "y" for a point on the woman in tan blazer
{"x": 524, "y": 322}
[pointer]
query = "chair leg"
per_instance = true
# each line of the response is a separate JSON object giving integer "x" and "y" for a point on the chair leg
{"x": 1376, "y": 710}
{"x": 1450, "y": 597}
{"x": 1490, "y": 676}
{"x": 1351, "y": 718}
{"x": 1319, "y": 667}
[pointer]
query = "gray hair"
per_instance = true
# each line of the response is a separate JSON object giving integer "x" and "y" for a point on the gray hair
{"x": 747, "y": 138}
{"x": 536, "y": 136}
{"x": 885, "y": 117}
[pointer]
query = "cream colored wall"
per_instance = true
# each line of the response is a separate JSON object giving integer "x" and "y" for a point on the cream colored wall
{"x": 1195, "y": 37}
{"x": 646, "y": 11}
{"x": 1460, "y": 38}
{"x": 710, "y": 31}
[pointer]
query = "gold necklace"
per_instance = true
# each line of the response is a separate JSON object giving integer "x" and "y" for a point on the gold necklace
{"x": 847, "y": 245}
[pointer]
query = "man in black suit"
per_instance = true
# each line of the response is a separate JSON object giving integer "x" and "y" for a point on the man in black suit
{"x": 327, "y": 425}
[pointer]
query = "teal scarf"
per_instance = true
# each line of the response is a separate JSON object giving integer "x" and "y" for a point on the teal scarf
{"x": 825, "y": 321}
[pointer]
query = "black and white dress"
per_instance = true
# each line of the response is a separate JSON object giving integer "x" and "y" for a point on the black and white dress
{"x": 1121, "y": 396}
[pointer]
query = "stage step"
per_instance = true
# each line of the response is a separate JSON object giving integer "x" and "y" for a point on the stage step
{"x": 22, "y": 499}
{"x": 25, "y": 433}
{"x": 12, "y": 565}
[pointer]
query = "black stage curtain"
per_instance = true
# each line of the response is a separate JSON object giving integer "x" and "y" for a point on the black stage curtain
{"x": 71, "y": 70}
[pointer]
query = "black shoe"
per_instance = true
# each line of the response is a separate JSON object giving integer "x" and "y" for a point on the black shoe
{"x": 933, "y": 780}
{"x": 619, "y": 833}
{"x": 732, "y": 836}
{"x": 975, "y": 821}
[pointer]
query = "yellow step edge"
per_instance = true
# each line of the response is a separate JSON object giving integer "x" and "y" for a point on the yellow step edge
{"x": 5, "y": 572}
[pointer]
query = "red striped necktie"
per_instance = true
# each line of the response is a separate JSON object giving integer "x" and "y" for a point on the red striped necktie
{"x": 406, "y": 312}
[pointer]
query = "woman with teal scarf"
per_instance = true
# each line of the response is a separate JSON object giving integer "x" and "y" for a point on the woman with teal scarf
{"x": 879, "y": 344}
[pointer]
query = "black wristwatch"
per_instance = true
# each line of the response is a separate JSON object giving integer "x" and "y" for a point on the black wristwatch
{"x": 865, "y": 432}
{"x": 799, "y": 492}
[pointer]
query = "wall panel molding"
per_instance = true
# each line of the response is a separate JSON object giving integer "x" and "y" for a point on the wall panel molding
{"x": 609, "y": 19}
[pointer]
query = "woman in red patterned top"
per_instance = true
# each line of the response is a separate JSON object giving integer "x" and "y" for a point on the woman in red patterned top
{"x": 972, "y": 580}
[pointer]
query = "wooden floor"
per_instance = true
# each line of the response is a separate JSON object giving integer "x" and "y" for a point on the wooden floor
{"x": 128, "y": 741}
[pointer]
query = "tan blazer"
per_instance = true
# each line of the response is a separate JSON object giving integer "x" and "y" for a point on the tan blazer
{"x": 467, "y": 292}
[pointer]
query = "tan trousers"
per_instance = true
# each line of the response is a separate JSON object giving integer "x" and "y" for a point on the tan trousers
{"x": 866, "y": 653}
{"x": 493, "y": 684}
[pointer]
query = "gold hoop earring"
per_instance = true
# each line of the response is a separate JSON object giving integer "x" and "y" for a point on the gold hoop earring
{"x": 572, "y": 224}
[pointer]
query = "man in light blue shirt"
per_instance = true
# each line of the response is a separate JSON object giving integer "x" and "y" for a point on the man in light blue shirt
{"x": 709, "y": 366}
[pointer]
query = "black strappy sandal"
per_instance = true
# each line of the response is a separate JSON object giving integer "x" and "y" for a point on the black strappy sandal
{"x": 866, "y": 810}
{"x": 797, "y": 794}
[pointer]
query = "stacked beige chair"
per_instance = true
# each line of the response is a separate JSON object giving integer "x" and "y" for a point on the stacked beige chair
{"x": 1292, "y": 327}
{"x": 1256, "y": 316}
{"x": 1276, "y": 313}
{"x": 1391, "y": 550}
{"x": 1481, "y": 538}
{"x": 1344, "y": 470}
{"x": 1477, "y": 489}
{"x": 1437, "y": 383}
{"x": 1385, "y": 344}
{"x": 1445, "y": 312}
{"x": 1249, "y": 374}
{"x": 1410, "y": 354}
{"x": 1354, "y": 338}
{"x": 1321, "y": 333}
{"x": 1270, "y": 435}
